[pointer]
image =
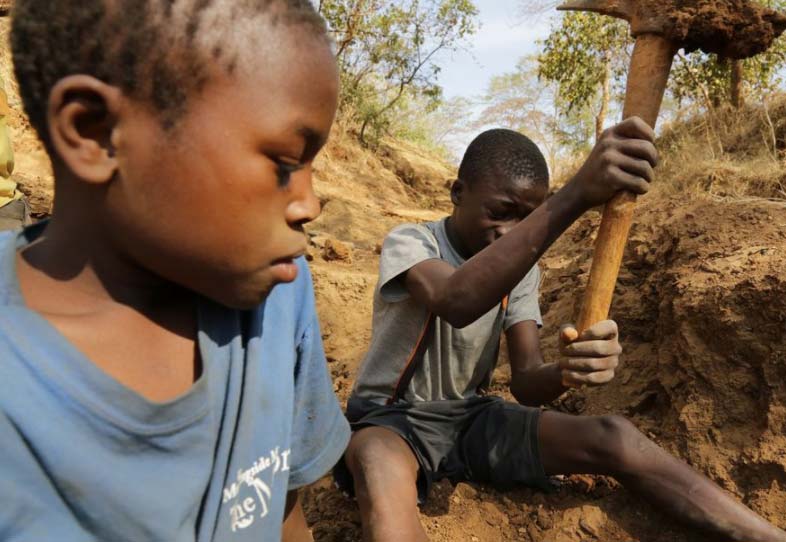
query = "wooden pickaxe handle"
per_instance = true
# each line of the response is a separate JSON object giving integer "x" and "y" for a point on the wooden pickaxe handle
{"x": 647, "y": 78}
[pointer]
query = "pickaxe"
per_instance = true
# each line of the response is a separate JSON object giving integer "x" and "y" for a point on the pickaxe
{"x": 731, "y": 28}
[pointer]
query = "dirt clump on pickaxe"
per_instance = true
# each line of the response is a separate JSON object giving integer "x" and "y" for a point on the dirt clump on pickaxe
{"x": 730, "y": 28}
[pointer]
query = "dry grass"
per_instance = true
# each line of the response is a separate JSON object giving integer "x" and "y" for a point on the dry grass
{"x": 727, "y": 154}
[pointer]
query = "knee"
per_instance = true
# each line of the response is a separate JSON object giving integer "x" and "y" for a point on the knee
{"x": 371, "y": 456}
{"x": 616, "y": 444}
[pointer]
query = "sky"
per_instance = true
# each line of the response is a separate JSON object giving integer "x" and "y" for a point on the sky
{"x": 505, "y": 35}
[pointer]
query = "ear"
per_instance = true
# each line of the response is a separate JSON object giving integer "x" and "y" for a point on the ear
{"x": 457, "y": 191}
{"x": 82, "y": 115}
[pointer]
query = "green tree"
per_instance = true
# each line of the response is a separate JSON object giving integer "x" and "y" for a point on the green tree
{"x": 522, "y": 101}
{"x": 433, "y": 126}
{"x": 705, "y": 79}
{"x": 387, "y": 52}
{"x": 587, "y": 56}
{"x": 519, "y": 100}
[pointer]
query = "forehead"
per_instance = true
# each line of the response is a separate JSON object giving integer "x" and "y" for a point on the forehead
{"x": 289, "y": 84}
{"x": 522, "y": 192}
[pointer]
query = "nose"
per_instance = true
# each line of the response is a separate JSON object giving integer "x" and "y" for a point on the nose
{"x": 304, "y": 205}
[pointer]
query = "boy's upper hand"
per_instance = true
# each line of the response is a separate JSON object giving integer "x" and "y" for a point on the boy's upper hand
{"x": 592, "y": 358}
{"x": 623, "y": 159}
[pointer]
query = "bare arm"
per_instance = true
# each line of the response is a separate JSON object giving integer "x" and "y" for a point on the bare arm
{"x": 460, "y": 296}
{"x": 533, "y": 381}
{"x": 295, "y": 528}
{"x": 622, "y": 160}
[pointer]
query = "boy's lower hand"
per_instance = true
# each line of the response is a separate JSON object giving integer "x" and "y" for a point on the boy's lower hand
{"x": 622, "y": 159}
{"x": 592, "y": 358}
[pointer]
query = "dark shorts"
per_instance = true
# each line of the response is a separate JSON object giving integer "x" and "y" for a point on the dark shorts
{"x": 482, "y": 439}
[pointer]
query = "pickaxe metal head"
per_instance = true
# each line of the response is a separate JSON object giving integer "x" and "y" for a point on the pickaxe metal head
{"x": 642, "y": 20}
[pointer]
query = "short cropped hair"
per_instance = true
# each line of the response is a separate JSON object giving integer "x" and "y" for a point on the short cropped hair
{"x": 159, "y": 51}
{"x": 505, "y": 154}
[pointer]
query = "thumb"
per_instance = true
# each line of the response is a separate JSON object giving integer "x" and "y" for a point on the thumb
{"x": 568, "y": 333}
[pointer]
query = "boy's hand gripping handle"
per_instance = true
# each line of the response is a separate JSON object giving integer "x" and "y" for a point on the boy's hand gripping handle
{"x": 649, "y": 73}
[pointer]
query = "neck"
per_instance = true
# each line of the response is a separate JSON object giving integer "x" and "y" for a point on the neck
{"x": 455, "y": 239}
{"x": 76, "y": 268}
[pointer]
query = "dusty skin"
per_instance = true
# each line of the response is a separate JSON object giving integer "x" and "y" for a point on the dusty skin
{"x": 701, "y": 301}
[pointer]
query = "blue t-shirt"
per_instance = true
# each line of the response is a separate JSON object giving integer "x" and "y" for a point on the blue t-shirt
{"x": 83, "y": 458}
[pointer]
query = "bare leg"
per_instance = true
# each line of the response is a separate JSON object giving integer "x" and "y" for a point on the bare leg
{"x": 612, "y": 445}
{"x": 385, "y": 472}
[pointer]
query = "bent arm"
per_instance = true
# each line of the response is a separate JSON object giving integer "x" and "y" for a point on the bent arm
{"x": 533, "y": 381}
{"x": 461, "y": 296}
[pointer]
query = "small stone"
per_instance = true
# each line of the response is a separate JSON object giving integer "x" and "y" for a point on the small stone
{"x": 543, "y": 520}
{"x": 335, "y": 250}
{"x": 587, "y": 528}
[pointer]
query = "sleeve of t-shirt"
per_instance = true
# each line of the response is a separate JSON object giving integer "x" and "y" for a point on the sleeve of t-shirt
{"x": 320, "y": 431}
{"x": 523, "y": 302}
{"x": 403, "y": 248}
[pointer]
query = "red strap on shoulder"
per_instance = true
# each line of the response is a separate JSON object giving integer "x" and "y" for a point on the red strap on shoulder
{"x": 412, "y": 361}
{"x": 417, "y": 354}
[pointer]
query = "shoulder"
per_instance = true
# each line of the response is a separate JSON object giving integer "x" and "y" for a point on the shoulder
{"x": 413, "y": 231}
{"x": 409, "y": 237}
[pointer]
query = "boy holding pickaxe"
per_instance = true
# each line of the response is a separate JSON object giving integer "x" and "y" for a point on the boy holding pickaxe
{"x": 446, "y": 292}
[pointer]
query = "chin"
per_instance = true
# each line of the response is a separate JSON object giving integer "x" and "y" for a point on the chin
{"x": 244, "y": 296}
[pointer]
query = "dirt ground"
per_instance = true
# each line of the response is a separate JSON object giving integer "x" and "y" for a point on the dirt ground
{"x": 701, "y": 303}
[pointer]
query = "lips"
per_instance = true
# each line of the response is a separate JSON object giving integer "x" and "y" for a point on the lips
{"x": 289, "y": 259}
{"x": 285, "y": 269}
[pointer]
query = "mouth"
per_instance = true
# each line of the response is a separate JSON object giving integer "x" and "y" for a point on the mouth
{"x": 285, "y": 269}
{"x": 291, "y": 257}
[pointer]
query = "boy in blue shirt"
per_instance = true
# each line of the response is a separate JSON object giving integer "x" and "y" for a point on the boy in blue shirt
{"x": 161, "y": 369}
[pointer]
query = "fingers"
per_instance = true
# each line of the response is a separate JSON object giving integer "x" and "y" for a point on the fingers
{"x": 636, "y": 128}
{"x": 587, "y": 365}
{"x": 599, "y": 341}
{"x": 626, "y": 181}
{"x": 592, "y": 349}
{"x": 568, "y": 334}
{"x": 576, "y": 380}
{"x": 605, "y": 329}
{"x": 640, "y": 150}
{"x": 636, "y": 167}
{"x": 593, "y": 357}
